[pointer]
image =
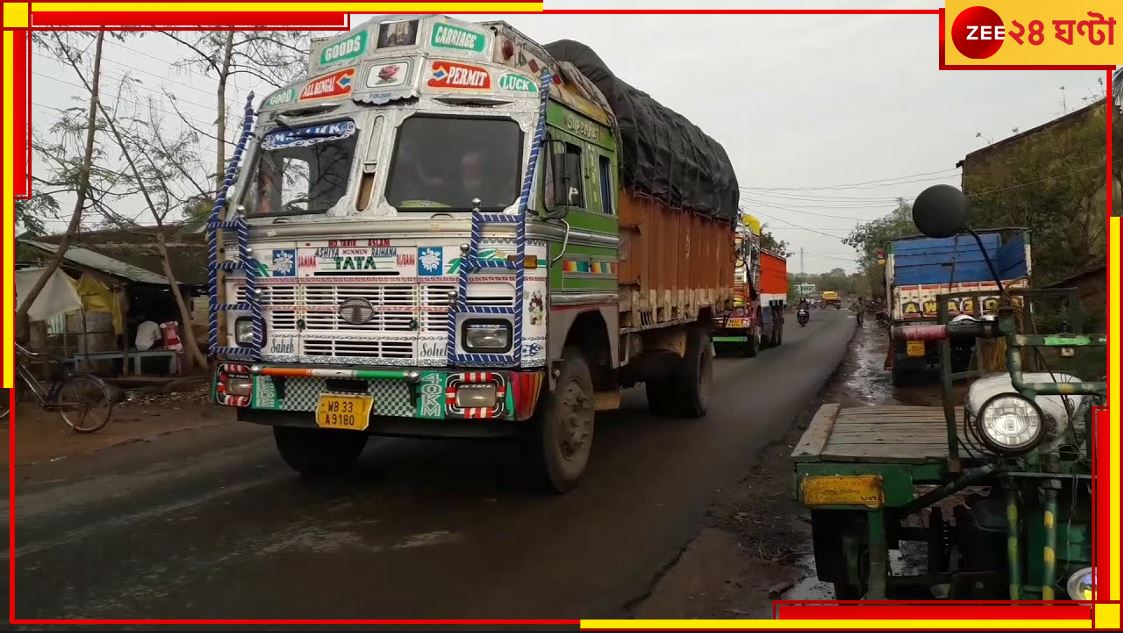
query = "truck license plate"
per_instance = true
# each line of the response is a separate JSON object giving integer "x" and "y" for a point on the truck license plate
{"x": 914, "y": 348}
{"x": 735, "y": 323}
{"x": 344, "y": 412}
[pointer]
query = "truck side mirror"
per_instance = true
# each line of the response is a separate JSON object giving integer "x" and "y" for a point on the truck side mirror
{"x": 940, "y": 211}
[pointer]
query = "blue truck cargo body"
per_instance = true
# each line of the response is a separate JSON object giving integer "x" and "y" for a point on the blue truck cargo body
{"x": 920, "y": 268}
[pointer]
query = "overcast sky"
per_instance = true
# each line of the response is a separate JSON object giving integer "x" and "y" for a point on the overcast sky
{"x": 806, "y": 106}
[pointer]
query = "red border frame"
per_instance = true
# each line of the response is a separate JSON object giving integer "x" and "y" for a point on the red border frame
{"x": 810, "y": 610}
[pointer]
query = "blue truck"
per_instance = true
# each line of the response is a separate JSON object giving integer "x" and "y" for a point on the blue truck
{"x": 919, "y": 268}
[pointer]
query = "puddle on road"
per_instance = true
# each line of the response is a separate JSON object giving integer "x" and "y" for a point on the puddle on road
{"x": 866, "y": 380}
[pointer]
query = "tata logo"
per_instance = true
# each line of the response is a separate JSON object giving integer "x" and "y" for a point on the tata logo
{"x": 517, "y": 83}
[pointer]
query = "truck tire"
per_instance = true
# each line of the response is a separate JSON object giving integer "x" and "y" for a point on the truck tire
{"x": 753, "y": 345}
{"x": 695, "y": 375}
{"x": 841, "y": 552}
{"x": 319, "y": 452}
{"x": 557, "y": 441}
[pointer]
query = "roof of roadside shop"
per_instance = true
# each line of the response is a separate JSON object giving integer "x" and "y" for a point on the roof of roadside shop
{"x": 133, "y": 255}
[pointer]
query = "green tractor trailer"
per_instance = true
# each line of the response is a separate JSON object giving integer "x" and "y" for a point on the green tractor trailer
{"x": 994, "y": 490}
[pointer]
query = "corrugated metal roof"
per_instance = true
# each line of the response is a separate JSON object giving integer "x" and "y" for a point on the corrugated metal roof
{"x": 97, "y": 261}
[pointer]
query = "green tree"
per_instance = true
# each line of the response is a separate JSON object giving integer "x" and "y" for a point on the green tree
{"x": 871, "y": 240}
{"x": 770, "y": 243}
{"x": 1053, "y": 184}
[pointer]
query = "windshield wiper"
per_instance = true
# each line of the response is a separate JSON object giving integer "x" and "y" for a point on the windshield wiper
{"x": 308, "y": 207}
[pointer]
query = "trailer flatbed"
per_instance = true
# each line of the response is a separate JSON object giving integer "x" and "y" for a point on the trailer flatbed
{"x": 895, "y": 434}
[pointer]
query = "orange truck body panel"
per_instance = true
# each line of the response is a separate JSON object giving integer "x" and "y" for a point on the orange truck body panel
{"x": 673, "y": 263}
{"x": 773, "y": 274}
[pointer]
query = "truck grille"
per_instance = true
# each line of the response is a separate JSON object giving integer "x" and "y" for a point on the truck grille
{"x": 402, "y": 313}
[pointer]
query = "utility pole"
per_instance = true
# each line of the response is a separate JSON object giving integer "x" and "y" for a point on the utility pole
{"x": 802, "y": 274}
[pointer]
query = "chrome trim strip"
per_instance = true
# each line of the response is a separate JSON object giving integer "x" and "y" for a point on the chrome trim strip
{"x": 582, "y": 298}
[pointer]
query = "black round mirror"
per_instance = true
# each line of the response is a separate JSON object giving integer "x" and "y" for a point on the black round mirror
{"x": 940, "y": 211}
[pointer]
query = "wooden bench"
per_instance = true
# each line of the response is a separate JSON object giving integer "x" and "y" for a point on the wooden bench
{"x": 136, "y": 356}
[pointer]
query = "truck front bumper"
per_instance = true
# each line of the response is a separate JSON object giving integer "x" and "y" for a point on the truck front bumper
{"x": 423, "y": 393}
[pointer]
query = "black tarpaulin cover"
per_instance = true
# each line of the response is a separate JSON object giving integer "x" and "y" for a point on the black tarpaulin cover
{"x": 663, "y": 154}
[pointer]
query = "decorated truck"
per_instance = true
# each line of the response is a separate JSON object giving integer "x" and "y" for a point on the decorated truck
{"x": 449, "y": 230}
{"x": 753, "y": 318}
{"x": 919, "y": 269}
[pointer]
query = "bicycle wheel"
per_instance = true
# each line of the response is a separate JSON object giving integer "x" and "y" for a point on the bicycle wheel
{"x": 84, "y": 402}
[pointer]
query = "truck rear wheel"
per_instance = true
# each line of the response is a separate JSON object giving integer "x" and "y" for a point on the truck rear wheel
{"x": 753, "y": 345}
{"x": 558, "y": 440}
{"x": 695, "y": 375}
{"x": 319, "y": 452}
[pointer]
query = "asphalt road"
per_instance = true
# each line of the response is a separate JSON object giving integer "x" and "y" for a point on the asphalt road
{"x": 212, "y": 524}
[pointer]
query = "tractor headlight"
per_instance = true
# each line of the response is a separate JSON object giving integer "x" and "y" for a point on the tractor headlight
{"x": 480, "y": 335}
{"x": 1010, "y": 423}
{"x": 1081, "y": 584}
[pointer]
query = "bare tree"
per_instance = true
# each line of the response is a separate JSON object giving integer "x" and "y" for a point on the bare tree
{"x": 155, "y": 169}
{"x": 82, "y": 184}
{"x": 277, "y": 58}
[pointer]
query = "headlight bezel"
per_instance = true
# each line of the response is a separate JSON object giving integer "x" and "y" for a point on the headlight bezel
{"x": 1006, "y": 449}
{"x": 248, "y": 323}
{"x": 1072, "y": 585}
{"x": 479, "y": 325}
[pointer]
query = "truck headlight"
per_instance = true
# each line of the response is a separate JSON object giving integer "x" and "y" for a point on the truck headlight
{"x": 1010, "y": 423}
{"x": 480, "y": 335}
{"x": 243, "y": 331}
{"x": 1081, "y": 584}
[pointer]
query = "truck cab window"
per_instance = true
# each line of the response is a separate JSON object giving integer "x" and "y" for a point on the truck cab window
{"x": 576, "y": 191}
{"x": 303, "y": 170}
{"x": 446, "y": 162}
{"x": 606, "y": 190}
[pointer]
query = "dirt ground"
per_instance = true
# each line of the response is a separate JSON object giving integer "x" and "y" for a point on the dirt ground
{"x": 757, "y": 546}
{"x": 43, "y": 436}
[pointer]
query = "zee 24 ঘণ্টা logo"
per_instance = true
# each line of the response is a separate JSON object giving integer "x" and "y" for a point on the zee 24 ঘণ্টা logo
{"x": 978, "y": 32}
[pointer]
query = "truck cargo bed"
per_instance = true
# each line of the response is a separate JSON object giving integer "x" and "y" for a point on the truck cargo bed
{"x": 673, "y": 264}
{"x": 884, "y": 434}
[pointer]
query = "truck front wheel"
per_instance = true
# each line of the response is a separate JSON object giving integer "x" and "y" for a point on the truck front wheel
{"x": 558, "y": 440}
{"x": 319, "y": 452}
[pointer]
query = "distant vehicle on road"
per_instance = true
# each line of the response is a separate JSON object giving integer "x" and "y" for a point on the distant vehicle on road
{"x": 754, "y": 317}
{"x": 831, "y": 298}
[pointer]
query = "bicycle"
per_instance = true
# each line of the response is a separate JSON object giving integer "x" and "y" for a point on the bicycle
{"x": 83, "y": 401}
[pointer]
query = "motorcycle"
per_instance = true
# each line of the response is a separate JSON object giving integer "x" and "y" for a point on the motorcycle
{"x": 803, "y": 316}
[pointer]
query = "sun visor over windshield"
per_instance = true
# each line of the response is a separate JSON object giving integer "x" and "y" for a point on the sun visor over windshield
{"x": 308, "y": 135}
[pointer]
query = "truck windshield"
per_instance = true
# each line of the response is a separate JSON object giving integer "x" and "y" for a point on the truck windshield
{"x": 446, "y": 162}
{"x": 303, "y": 170}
